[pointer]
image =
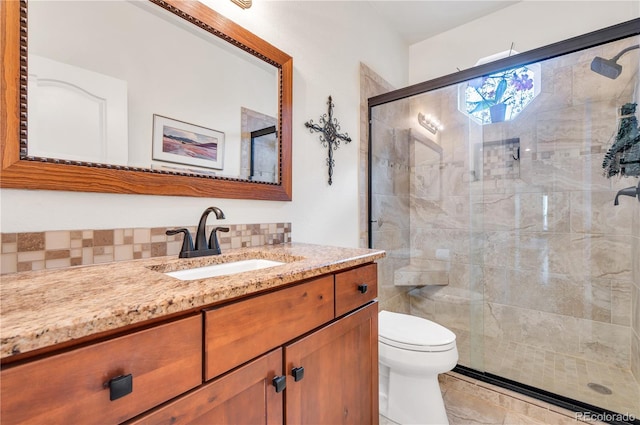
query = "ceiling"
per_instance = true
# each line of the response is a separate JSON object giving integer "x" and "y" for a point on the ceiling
{"x": 418, "y": 20}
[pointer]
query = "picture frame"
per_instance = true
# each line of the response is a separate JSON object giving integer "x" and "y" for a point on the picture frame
{"x": 183, "y": 143}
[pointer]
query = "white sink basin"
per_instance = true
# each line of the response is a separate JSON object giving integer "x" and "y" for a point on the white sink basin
{"x": 223, "y": 269}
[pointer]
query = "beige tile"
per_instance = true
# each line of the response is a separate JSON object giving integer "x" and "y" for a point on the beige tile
{"x": 118, "y": 236}
{"x": 57, "y": 240}
{"x": 466, "y": 409}
{"x": 9, "y": 263}
{"x": 141, "y": 236}
{"x": 513, "y": 418}
{"x": 605, "y": 343}
{"x": 621, "y": 303}
{"x": 58, "y": 263}
{"x": 25, "y": 256}
{"x": 9, "y": 247}
{"x": 123, "y": 252}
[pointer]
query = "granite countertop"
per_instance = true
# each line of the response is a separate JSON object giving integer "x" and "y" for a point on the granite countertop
{"x": 47, "y": 307}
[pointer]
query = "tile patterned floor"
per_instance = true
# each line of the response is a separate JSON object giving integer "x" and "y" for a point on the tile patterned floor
{"x": 470, "y": 402}
{"x": 565, "y": 375}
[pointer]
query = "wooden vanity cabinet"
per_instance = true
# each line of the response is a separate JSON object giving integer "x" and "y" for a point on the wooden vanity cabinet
{"x": 303, "y": 354}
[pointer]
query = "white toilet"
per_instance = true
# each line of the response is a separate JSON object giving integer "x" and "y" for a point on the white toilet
{"x": 412, "y": 352}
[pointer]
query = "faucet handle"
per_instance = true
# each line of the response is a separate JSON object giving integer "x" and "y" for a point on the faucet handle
{"x": 187, "y": 241}
{"x": 213, "y": 239}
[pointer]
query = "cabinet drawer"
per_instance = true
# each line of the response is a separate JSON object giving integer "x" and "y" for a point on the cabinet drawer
{"x": 238, "y": 332}
{"x": 355, "y": 288}
{"x": 73, "y": 387}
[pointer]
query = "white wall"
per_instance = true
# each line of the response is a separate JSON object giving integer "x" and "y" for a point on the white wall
{"x": 528, "y": 24}
{"x": 327, "y": 40}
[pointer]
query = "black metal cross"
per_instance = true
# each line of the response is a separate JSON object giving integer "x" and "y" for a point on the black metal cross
{"x": 330, "y": 136}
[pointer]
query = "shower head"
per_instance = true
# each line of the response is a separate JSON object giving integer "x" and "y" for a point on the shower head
{"x": 606, "y": 67}
{"x": 610, "y": 67}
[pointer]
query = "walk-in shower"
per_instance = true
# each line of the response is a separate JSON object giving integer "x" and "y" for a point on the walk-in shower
{"x": 502, "y": 227}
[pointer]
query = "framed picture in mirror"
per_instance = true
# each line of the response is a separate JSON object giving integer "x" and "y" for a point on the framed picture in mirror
{"x": 183, "y": 143}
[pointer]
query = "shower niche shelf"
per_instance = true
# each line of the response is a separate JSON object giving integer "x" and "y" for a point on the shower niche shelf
{"x": 498, "y": 159}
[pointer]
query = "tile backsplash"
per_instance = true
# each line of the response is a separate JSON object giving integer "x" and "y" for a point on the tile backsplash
{"x": 56, "y": 249}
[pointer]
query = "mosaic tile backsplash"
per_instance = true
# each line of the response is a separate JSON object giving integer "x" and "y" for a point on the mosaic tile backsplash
{"x": 56, "y": 249}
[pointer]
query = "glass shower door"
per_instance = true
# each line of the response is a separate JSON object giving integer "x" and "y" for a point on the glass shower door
{"x": 505, "y": 230}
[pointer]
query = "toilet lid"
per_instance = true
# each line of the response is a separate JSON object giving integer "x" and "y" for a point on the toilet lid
{"x": 413, "y": 333}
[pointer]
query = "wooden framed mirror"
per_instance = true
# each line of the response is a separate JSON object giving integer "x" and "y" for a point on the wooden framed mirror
{"x": 23, "y": 169}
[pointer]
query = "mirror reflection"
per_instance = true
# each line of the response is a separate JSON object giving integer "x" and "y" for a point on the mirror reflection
{"x": 130, "y": 84}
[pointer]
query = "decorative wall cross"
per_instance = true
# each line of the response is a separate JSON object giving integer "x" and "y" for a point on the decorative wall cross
{"x": 330, "y": 136}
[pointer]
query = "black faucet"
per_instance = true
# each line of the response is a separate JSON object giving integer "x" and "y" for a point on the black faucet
{"x": 202, "y": 248}
{"x": 629, "y": 191}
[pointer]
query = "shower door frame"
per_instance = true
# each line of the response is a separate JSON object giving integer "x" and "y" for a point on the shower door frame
{"x": 571, "y": 45}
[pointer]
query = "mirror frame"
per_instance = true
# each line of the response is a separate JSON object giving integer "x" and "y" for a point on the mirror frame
{"x": 19, "y": 171}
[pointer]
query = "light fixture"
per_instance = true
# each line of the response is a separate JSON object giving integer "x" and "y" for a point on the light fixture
{"x": 430, "y": 122}
{"x": 245, "y": 4}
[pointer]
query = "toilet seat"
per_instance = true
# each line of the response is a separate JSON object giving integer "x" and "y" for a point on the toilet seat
{"x": 413, "y": 333}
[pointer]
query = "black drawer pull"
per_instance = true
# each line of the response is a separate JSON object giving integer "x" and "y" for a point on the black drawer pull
{"x": 297, "y": 373}
{"x": 120, "y": 386}
{"x": 363, "y": 288}
{"x": 280, "y": 382}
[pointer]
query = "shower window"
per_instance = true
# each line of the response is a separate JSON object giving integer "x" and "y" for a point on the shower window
{"x": 506, "y": 233}
{"x": 500, "y": 96}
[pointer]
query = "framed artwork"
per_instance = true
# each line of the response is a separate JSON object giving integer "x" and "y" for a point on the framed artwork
{"x": 183, "y": 143}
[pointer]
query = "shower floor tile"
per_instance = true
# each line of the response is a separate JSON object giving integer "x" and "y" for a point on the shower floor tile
{"x": 564, "y": 375}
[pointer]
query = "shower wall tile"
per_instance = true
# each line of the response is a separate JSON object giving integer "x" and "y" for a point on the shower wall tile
{"x": 450, "y": 213}
{"x": 621, "y": 303}
{"x": 455, "y": 179}
{"x": 422, "y": 306}
{"x": 594, "y": 212}
{"x": 533, "y": 212}
{"x": 548, "y": 252}
{"x": 426, "y": 182}
{"x": 601, "y": 255}
{"x": 391, "y": 212}
{"x": 576, "y": 172}
{"x": 457, "y": 241}
{"x": 558, "y": 88}
{"x": 398, "y": 303}
{"x": 605, "y": 343}
{"x": 552, "y": 293}
{"x": 455, "y": 141}
{"x": 635, "y": 356}
{"x": 532, "y": 327}
{"x": 562, "y": 129}
{"x": 635, "y": 311}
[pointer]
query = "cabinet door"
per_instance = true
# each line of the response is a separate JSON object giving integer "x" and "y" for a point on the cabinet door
{"x": 245, "y": 396}
{"x": 340, "y": 379}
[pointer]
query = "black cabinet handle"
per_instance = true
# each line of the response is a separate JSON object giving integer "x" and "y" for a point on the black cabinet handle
{"x": 297, "y": 373}
{"x": 120, "y": 386}
{"x": 363, "y": 288}
{"x": 280, "y": 382}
